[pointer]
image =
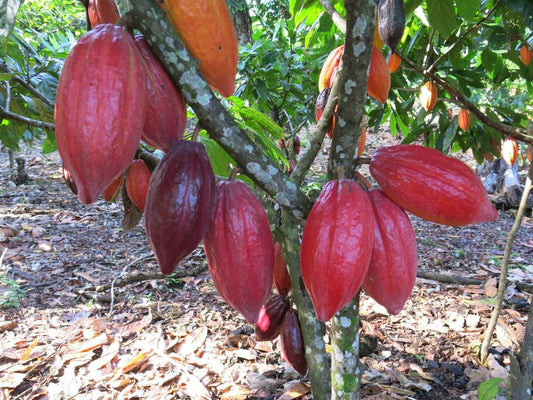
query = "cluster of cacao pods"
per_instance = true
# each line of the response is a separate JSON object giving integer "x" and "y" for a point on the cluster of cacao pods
{"x": 355, "y": 238}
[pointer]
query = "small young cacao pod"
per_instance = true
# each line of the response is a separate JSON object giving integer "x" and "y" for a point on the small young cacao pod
{"x": 526, "y": 55}
{"x": 100, "y": 108}
{"x": 282, "y": 280}
{"x": 394, "y": 62}
{"x": 207, "y": 31}
{"x": 270, "y": 318}
{"x": 180, "y": 203}
{"x": 113, "y": 189}
{"x": 428, "y": 96}
{"x": 240, "y": 250}
{"x": 509, "y": 150}
{"x": 292, "y": 342}
{"x": 391, "y": 17}
{"x": 392, "y": 272}
{"x": 431, "y": 185}
{"x": 167, "y": 113}
{"x": 336, "y": 246}
{"x": 463, "y": 119}
{"x": 378, "y": 85}
{"x": 102, "y": 12}
{"x": 329, "y": 68}
{"x": 137, "y": 181}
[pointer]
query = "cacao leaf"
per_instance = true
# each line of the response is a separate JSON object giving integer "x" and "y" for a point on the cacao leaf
{"x": 441, "y": 15}
{"x": 8, "y": 13}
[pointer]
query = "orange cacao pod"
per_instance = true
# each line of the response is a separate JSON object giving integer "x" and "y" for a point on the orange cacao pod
{"x": 180, "y": 203}
{"x": 431, "y": 185}
{"x": 268, "y": 324}
{"x": 239, "y": 249}
{"x": 394, "y": 62}
{"x": 113, "y": 189}
{"x": 167, "y": 113}
{"x": 329, "y": 68}
{"x": 529, "y": 152}
{"x": 509, "y": 150}
{"x": 282, "y": 280}
{"x": 391, "y": 275}
{"x": 428, "y": 95}
{"x": 206, "y": 29}
{"x": 100, "y": 108}
{"x": 378, "y": 85}
{"x": 336, "y": 246}
{"x": 137, "y": 180}
{"x": 463, "y": 119}
{"x": 361, "y": 142}
{"x": 292, "y": 342}
{"x": 526, "y": 54}
{"x": 102, "y": 12}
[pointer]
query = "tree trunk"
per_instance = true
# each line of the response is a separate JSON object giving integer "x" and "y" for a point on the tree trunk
{"x": 243, "y": 25}
{"x": 521, "y": 377}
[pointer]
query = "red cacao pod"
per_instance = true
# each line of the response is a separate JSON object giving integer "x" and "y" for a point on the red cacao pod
{"x": 206, "y": 29}
{"x": 100, "y": 108}
{"x": 329, "y": 68}
{"x": 113, "y": 189}
{"x": 336, "y": 246}
{"x": 394, "y": 62}
{"x": 392, "y": 272}
{"x": 428, "y": 96}
{"x": 509, "y": 151}
{"x": 292, "y": 342}
{"x": 268, "y": 324}
{"x": 378, "y": 85}
{"x": 431, "y": 185}
{"x": 282, "y": 280}
{"x": 296, "y": 145}
{"x": 239, "y": 249}
{"x": 463, "y": 119}
{"x": 137, "y": 180}
{"x": 102, "y": 12}
{"x": 167, "y": 113}
{"x": 180, "y": 203}
{"x": 526, "y": 55}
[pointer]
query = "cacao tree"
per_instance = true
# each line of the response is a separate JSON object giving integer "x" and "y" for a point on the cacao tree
{"x": 461, "y": 48}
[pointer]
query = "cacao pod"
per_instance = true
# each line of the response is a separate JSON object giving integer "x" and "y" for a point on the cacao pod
{"x": 336, "y": 246}
{"x": 320, "y": 104}
{"x": 377, "y": 39}
{"x": 296, "y": 145}
{"x": 526, "y": 55}
{"x": 206, "y": 29}
{"x": 325, "y": 79}
{"x": 271, "y": 315}
{"x": 509, "y": 150}
{"x": 392, "y": 272}
{"x": 529, "y": 153}
{"x": 394, "y": 62}
{"x": 361, "y": 141}
{"x": 428, "y": 95}
{"x": 102, "y": 12}
{"x": 431, "y": 185}
{"x": 463, "y": 119}
{"x": 113, "y": 189}
{"x": 378, "y": 85}
{"x": 282, "y": 280}
{"x": 167, "y": 113}
{"x": 100, "y": 108}
{"x": 137, "y": 181}
{"x": 292, "y": 342}
{"x": 239, "y": 249}
{"x": 391, "y": 17}
{"x": 180, "y": 203}
{"x": 69, "y": 181}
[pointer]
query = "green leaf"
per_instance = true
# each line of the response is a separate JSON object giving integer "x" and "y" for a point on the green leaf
{"x": 410, "y": 6}
{"x": 467, "y": 9}
{"x": 49, "y": 143}
{"x": 8, "y": 12}
{"x": 488, "y": 390}
{"x": 441, "y": 14}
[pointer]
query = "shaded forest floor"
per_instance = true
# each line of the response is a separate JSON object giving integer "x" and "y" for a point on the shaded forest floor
{"x": 69, "y": 336}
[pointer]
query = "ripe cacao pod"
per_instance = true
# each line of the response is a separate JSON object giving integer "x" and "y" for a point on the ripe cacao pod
{"x": 69, "y": 181}
{"x": 137, "y": 181}
{"x": 378, "y": 85}
{"x": 113, "y": 189}
{"x": 282, "y": 280}
{"x": 167, "y": 113}
{"x": 428, "y": 95}
{"x": 336, "y": 246}
{"x": 206, "y": 29}
{"x": 463, "y": 119}
{"x": 526, "y": 55}
{"x": 392, "y": 272}
{"x": 431, "y": 185}
{"x": 509, "y": 150}
{"x": 391, "y": 17}
{"x": 268, "y": 324}
{"x": 394, "y": 62}
{"x": 102, "y": 12}
{"x": 329, "y": 68}
{"x": 240, "y": 250}
{"x": 320, "y": 104}
{"x": 180, "y": 203}
{"x": 361, "y": 141}
{"x": 100, "y": 108}
{"x": 292, "y": 342}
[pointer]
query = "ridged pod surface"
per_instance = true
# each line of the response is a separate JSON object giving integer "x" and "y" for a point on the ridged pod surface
{"x": 240, "y": 250}
{"x": 428, "y": 96}
{"x": 394, "y": 62}
{"x": 463, "y": 119}
{"x": 336, "y": 246}
{"x": 100, "y": 108}
{"x": 167, "y": 113}
{"x": 392, "y": 272}
{"x": 102, "y": 12}
{"x": 378, "y": 85}
{"x": 431, "y": 185}
{"x": 206, "y": 29}
{"x": 331, "y": 64}
{"x": 180, "y": 203}
{"x": 391, "y": 21}
{"x": 292, "y": 343}
{"x": 509, "y": 150}
{"x": 268, "y": 324}
{"x": 137, "y": 181}
{"x": 282, "y": 280}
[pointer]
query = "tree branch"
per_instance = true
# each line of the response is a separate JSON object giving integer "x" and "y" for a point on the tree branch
{"x": 25, "y": 120}
{"x": 335, "y": 16}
